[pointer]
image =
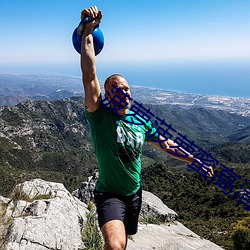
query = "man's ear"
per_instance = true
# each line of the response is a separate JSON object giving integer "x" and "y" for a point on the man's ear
{"x": 107, "y": 96}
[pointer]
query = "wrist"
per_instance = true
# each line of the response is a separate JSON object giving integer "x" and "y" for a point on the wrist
{"x": 88, "y": 29}
{"x": 87, "y": 25}
{"x": 191, "y": 158}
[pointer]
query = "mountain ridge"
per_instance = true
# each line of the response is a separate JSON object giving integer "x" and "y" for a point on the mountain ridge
{"x": 54, "y": 135}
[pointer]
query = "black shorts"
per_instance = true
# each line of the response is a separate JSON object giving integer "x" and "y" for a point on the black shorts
{"x": 116, "y": 207}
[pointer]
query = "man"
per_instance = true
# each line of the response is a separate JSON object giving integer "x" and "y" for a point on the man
{"x": 118, "y": 144}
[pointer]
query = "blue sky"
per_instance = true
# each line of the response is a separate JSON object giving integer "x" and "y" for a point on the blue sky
{"x": 35, "y": 35}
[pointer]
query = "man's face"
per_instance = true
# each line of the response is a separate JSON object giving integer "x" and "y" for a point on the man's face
{"x": 122, "y": 84}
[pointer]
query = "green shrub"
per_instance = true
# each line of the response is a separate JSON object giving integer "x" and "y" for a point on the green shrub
{"x": 241, "y": 234}
{"x": 151, "y": 219}
{"x": 91, "y": 235}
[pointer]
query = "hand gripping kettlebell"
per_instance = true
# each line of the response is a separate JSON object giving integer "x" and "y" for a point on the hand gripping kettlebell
{"x": 98, "y": 37}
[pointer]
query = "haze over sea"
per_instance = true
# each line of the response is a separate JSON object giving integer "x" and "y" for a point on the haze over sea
{"x": 230, "y": 79}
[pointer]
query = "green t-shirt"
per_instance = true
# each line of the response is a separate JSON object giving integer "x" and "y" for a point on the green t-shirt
{"x": 118, "y": 148}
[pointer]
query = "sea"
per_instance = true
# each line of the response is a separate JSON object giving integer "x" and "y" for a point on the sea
{"x": 215, "y": 79}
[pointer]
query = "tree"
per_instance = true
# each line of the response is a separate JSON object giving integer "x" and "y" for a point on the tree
{"x": 241, "y": 234}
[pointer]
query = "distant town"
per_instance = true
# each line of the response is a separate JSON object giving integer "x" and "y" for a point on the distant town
{"x": 16, "y": 88}
{"x": 161, "y": 97}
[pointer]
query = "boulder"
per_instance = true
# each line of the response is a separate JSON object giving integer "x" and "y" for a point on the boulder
{"x": 85, "y": 192}
{"x": 43, "y": 215}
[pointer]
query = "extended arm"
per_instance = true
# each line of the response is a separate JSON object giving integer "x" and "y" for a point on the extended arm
{"x": 170, "y": 148}
{"x": 88, "y": 62}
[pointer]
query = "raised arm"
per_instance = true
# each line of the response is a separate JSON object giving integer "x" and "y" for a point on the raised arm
{"x": 88, "y": 61}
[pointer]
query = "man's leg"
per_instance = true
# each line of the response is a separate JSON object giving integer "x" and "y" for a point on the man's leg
{"x": 114, "y": 235}
{"x": 111, "y": 212}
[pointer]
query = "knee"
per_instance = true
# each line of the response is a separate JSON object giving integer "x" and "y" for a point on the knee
{"x": 115, "y": 245}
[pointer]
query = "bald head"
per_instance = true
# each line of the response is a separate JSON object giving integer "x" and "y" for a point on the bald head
{"x": 113, "y": 79}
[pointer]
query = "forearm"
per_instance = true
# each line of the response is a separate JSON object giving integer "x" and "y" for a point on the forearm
{"x": 180, "y": 154}
{"x": 177, "y": 152}
{"x": 171, "y": 148}
{"x": 88, "y": 63}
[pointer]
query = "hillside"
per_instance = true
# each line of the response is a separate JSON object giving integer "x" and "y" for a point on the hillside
{"x": 53, "y": 137}
{"x": 242, "y": 136}
{"x": 47, "y": 140}
{"x": 203, "y": 126}
{"x": 201, "y": 206}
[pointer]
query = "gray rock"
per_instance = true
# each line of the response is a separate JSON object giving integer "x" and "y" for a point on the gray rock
{"x": 152, "y": 206}
{"x": 85, "y": 192}
{"x": 169, "y": 236}
{"x": 46, "y": 216}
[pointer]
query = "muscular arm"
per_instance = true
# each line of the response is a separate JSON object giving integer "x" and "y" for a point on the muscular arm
{"x": 184, "y": 155}
{"x": 88, "y": 63}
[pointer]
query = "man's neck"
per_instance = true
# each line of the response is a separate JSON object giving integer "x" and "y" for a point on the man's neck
{"x": 122, "y": 112}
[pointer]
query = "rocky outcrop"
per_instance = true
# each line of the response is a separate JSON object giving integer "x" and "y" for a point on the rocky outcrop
{"x": 85, "y": 192}
{"x": 152, "y": 206}
{"x": 43, "y": 215}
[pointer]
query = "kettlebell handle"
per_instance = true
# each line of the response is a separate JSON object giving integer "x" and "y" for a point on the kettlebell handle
{"x": 86, "y": 20}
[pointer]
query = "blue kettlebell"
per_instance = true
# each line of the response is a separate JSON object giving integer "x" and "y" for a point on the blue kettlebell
{"x": 98, "y": 37}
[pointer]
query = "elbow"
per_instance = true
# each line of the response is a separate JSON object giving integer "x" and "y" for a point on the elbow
{"x": 88, "y": 76}
{"x": 88, "y": 69}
